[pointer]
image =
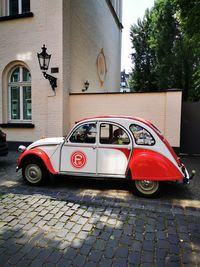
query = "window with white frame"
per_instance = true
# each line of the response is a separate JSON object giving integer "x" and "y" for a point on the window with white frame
{"x": 20, "y": 106}
{"x": 15, "y": 7}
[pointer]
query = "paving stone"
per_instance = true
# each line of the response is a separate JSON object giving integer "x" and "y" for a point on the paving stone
{"x": 59, "y": 214}
{"x": 95, "y": 255}
{"x": 24, "y": 263}
{"x": 85, "y": 249}
{"x": 100, "y": 244}
{"x": 87, "y": 214}
{"x": 9, "y": 218}
{"x": 70, "y": 254}
{"x": 54, "y": 257}
{"x": 100, "y": 232}
{"x": 64, "y": 219}
{"x": 80, "y": 211}
{"x": 136, "y": 245}
{"x": 69, "y": 225}
{"x": 48, "y": 217}
{"x": 32, "y": 254}
{"x": 43, "y": 212}
{"x": 76, "y": 228}
{"x": 62, "y": 233}
{"x": 69, "y": 212}
{"x": 64, "y": 263}
{"x": 121, "y": 252}
{"x": 87, "y": 227}
{"x": 148, "y": 245}
{"x": 82, "y": 221}
{"x": 147, "y": 256}
{"x": 36, "y": 219}
{"x": 52, "y": 222}
{"x": 79, "y": 261}
{"x": 70, "y": 237}
{"x": 161, "y": 254}
{"x": 59, "y": 225}
{"x": 15, "y": 258}
{"x": 37, "y": 263}
{"x": 77, "y": 243}
{"x": 44, "y": 254}
{"x": 119, "y": 262}
{"x": 82, "y": 235}
{"x": 105, "y": 263}
{"x": 162, "y": 244}
{"x": 91, "y": 264}
{"x": 134, "y": 257}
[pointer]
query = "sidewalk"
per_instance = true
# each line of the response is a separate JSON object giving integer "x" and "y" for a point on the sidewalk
{"x": 96, "y": 223}
{"x": 40, "y": 231}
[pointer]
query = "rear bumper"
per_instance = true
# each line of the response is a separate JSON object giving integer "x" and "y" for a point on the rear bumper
{"x": 188, "y": 177}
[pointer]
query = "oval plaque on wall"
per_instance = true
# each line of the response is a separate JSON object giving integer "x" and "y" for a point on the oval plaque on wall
{"x": 101, "y": 67}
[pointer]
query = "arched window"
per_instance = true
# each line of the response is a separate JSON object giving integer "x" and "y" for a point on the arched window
{"x": 20, "y": 107}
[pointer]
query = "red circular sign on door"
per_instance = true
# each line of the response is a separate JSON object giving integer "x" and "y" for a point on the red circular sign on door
{"x": 78, "y": 159}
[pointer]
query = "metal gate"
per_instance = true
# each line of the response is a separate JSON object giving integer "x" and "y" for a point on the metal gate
{"x": 190, "y": 128}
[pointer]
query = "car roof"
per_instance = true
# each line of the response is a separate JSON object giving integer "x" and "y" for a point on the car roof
{"x": 110, "y": 117}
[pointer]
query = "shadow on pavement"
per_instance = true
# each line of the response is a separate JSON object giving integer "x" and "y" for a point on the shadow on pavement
{"x": 100, "y": 237}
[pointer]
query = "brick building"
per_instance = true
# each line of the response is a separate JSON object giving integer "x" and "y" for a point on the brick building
{"x": 84, "y": 40}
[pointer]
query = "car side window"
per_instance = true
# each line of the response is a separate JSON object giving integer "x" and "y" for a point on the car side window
{"x": 113, "y": 134}
{"x": 141, "y": 135}
{"x": 86, "y": 133}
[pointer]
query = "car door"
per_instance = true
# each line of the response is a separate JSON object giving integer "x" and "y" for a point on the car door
{"x": 78, "y": 153}
{"x": 114, "y": 150}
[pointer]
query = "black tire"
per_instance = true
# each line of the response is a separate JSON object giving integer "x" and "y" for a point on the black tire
{"x": 146, "y": 188}
{"x": 34, "y": 172}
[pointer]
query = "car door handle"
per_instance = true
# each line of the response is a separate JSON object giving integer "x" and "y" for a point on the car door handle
{"x": 94, "y": 147}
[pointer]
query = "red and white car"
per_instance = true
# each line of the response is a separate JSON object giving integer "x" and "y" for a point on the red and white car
{"x": 107, "y": 146}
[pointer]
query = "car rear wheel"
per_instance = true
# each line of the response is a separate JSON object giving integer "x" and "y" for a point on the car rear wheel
{"x": 34, "y": 172}
{"x": 146, "y": 188}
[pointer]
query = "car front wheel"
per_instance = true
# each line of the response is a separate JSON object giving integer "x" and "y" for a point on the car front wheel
{"x": 34, "y": 173}
{"x": 146, "y": 188}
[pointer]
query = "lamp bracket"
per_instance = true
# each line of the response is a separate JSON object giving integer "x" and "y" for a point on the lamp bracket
{"x": 52, "y": 80}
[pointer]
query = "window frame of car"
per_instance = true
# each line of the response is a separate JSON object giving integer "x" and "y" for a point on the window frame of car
{"x": 144, "y": 128}
{"x": 76, "y": 127}
{"x": 117, "y": 125}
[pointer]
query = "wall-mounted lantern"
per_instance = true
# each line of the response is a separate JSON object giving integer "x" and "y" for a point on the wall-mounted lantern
{"x": 86, "y": 86}
{"x": 44, "y": 60}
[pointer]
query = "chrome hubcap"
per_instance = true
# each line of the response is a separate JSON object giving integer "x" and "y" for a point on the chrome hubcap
{"x": 147, "y": 187}
{"x": 33, "y": 173}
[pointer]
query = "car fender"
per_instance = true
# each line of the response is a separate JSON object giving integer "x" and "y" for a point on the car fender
{"x": 39, "y": 153}
{"x": 150, "y": 165}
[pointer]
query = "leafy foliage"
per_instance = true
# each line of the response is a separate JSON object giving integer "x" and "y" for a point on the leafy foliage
{"x": 166, "y": 48}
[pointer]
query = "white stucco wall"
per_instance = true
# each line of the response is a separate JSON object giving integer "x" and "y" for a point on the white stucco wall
{"x": 162, "y": 109}
{"x": 92, "y": 28}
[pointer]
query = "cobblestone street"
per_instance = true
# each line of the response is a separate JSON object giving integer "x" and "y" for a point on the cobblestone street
{"x": 96, "y": 223}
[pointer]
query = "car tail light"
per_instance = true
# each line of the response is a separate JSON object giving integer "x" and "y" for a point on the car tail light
{"x": 183, "y": 168}
{"x": 179, "y": 161}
